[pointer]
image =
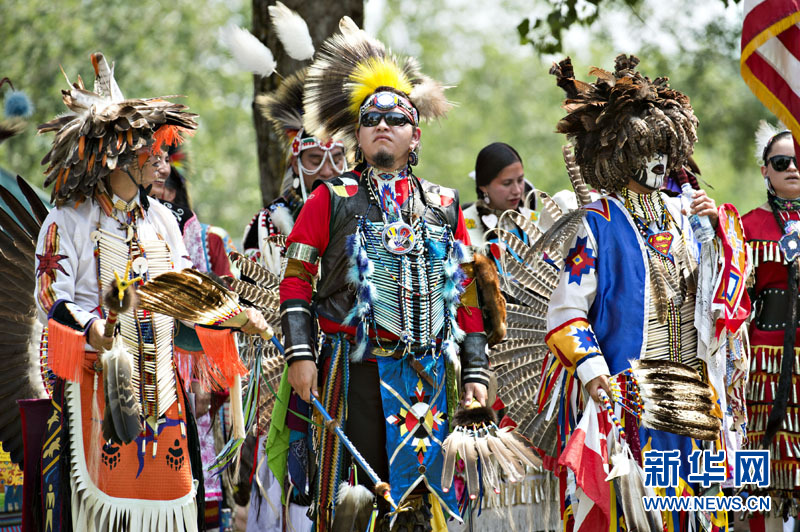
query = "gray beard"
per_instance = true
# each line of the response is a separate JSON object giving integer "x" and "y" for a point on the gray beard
{"x": 384, "y": 160}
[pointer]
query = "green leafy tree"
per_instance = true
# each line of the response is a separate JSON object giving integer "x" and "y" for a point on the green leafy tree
{"x": 160, "y": 48}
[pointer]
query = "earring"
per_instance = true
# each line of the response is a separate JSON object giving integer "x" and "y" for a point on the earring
{"x": 412, "y": 158}
{"x": 359, "y": 156}
{"x": 486, "y": 199}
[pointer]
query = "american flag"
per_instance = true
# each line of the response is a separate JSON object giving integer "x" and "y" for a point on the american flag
{"x": 770, "y": 61}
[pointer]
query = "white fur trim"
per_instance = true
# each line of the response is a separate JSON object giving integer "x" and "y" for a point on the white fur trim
{"x": 282, "y": 219}
{"x": 95, "y": 511}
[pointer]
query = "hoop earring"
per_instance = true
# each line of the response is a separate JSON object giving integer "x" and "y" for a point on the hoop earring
{"x": 413, "y": 159}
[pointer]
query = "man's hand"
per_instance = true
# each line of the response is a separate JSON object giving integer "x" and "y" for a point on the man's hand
{"x": 595, "y": 385}
{"x": 256, "y": 324}
{"x": 702, "y": 205}
{"x": 303, "y": 378}
{"x": 95, "y": 337}
{"x": 474, "y": 390}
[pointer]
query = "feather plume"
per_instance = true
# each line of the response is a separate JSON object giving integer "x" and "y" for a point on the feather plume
{"x": 512, "y": 469}
{"x": 249, "y": 53}
{"x": 104, "y": 83}
{"x": 622, "y": 119}
{"x": 676, "y": 399}
{"x": 121, "y": 421}
{"x": 521, "y": 449}
{"x": 450, "y": 448}
{"x": 470, "y": 456}
{"x": 264, "y": 278}
{"x": 488, "y": 469}
{"x": 764, "y": 134}
{"x": 560, "y": 234}
{"x": 284, "y": 107}
{"x": 292, "y": 31}
{"x": 282, "y": 219}
{"x": 522, "y": 222}
{"x": 26, "y": 221}
{"x": 353, "y": 508}
{"x": 348, "y": 26}
{"x": 374, "y": 72}
{"x": 347, "y": 68}
{"x": 255, "y": 296}
{"x": 103, "y": 132}
{"x": 19, "y": 328}
{"x": 189, "y": 295}
{"x": 575, "y": 177}
{"x": 429, "y": 99}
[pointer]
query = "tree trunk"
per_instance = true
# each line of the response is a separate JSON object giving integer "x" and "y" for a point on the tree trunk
{"x": 323, "y": 21}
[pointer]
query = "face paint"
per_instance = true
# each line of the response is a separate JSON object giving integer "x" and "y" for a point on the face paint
{"x": 653, "y": 172}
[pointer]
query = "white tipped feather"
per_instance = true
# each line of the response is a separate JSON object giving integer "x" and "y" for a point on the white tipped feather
{"x": 764, "y": 134}
{"x": 292, "y": 31}
{"x": 346, "y": 25}
{"x": 248, "y": 52}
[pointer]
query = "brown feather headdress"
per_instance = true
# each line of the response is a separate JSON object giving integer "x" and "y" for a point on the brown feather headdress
{"x": 622, "y": 120}
{"x": 351, "y": 66}
{"x": 103, "y": 131}
{"x": 284, "y": 106}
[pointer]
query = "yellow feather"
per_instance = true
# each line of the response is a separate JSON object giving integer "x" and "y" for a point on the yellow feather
{"x": 373, "y": 73}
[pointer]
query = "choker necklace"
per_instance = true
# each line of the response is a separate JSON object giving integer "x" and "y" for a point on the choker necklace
{"x": 398, "y": 237}
{"x": 782, "y": 204}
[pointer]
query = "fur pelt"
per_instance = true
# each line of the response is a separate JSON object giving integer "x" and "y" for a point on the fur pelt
{"x": 493, "y": 302}
{"x": 467, "y": 417}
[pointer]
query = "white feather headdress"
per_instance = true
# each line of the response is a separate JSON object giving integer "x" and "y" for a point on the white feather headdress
{"x": 764, "y": 134}
{"x": 292, "y": 31}
{"x": 249, "y": 53}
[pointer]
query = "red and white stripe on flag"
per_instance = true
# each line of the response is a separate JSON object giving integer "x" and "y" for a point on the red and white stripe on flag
{"x": 586, "y": 454}
{"x": 770, "y": 61}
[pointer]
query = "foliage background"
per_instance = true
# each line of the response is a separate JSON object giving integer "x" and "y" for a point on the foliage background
{"x": 501, "y": 85}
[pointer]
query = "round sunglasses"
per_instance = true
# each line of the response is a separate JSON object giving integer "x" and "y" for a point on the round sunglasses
{"x": 781, "y": 162}
{"x": 373, "y": 118}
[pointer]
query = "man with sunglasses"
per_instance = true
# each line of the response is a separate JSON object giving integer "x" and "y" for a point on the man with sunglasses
{"x": 387, "y": 246}
{"x": 772, "y": 232}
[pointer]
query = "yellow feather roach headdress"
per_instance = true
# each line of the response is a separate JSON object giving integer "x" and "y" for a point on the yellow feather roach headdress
{"x": 348, "y": 68}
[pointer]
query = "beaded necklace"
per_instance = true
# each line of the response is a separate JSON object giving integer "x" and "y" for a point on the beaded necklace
{"x": 663, "y": 272}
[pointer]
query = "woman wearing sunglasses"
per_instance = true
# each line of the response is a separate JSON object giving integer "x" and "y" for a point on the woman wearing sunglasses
{"x": 772, "y": 232}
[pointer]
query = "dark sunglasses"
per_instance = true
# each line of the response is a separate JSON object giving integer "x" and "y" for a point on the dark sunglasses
{"x": 781, "y": 162}
{"x": 373, "y": 118}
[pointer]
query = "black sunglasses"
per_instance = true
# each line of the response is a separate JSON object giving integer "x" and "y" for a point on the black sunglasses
{"x": 373, "y": 118}
{"x": 781, "y": 162}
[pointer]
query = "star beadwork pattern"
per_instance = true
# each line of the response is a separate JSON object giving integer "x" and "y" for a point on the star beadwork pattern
{"x": 49, "y": 261}
{"x": 580, "y": 261}
{"x": 421, "y": 420}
